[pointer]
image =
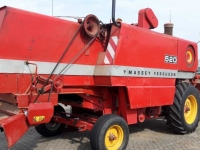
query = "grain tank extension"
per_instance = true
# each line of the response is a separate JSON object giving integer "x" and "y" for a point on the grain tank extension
{"x": 93, "y": 76}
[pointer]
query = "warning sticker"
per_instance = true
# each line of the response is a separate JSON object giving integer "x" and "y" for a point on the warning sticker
{"x": 38, "y": 118}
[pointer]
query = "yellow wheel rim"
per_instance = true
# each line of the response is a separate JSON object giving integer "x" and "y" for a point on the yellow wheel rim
{"x": 190, "y": 109}
{"x": 114, "y": 137}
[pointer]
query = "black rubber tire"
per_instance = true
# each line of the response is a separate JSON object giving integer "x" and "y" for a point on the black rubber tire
{"x": 97, "y": 135}
{"x": 46, "y": 132}
{"x": 175, "y": 118}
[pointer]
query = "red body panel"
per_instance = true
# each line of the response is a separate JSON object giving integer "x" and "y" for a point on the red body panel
{"x": 141, "y": 47}
{"x": 145, "y": 96}
{"x": 182, "y": 46}
{"x": 44, "y": 38}
{"x": 35, "y": 110}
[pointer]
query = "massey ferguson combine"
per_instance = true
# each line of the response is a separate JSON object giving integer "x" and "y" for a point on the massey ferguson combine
{"x": 92, "y": 76}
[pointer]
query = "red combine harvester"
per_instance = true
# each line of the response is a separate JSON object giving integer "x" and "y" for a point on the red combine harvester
{"x": 93, "y": 76}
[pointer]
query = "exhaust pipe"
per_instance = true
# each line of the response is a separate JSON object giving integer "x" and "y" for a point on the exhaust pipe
{"x": 168, "y": 28}
{"x": 113, "y": 14}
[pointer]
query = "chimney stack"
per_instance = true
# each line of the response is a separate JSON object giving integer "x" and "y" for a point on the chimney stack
{"x": 168, "y": 28}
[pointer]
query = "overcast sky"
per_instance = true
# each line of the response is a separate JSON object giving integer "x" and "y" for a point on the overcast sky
{"x": 185, "y": 14}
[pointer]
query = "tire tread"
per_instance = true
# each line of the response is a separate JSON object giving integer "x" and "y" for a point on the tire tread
{"x": 100, "y": 126}
{"x": 175, "y": 119}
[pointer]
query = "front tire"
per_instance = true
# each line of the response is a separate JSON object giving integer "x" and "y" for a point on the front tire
{"x": 183, "y": 115}
{"x": 110, "y": 132}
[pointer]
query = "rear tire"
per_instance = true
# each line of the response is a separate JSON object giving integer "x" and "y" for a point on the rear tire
{"x": 110, "y": 132}
{"x": 52, "y": 128}
{"x": 183, "y": 116}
